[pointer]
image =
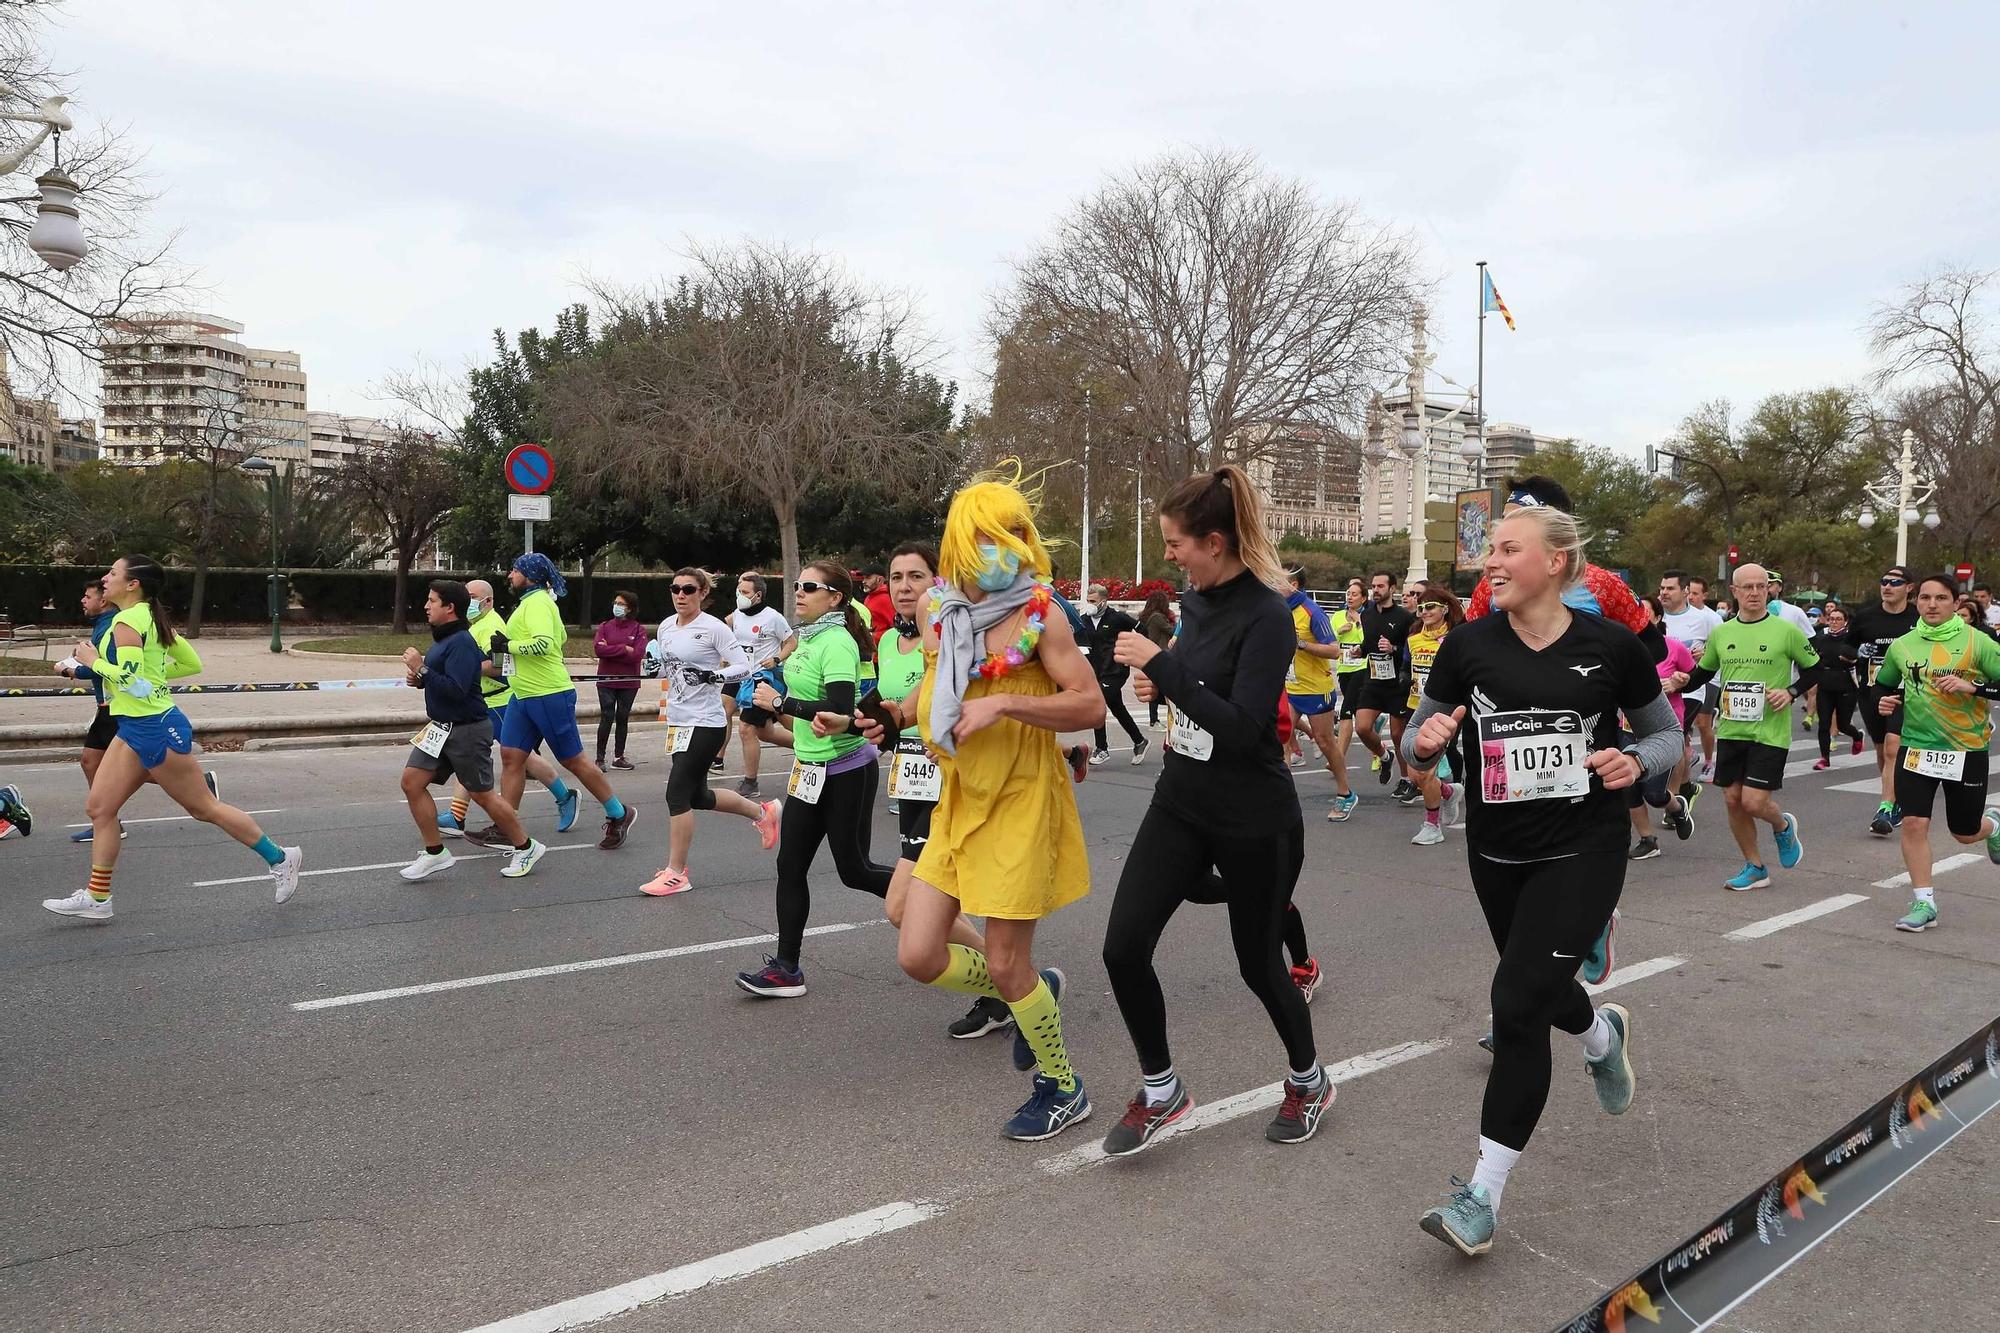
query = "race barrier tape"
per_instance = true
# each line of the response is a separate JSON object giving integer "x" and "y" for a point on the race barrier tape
{"x": 257, "y": 687}
{"x": 1774, "y": 1226}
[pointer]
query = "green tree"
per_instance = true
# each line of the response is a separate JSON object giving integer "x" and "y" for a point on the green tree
{"x": 1610, "y": 490}
{"x": 31, "y": 502}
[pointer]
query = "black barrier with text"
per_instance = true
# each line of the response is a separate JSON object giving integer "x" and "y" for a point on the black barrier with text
{"x": 1768, "y": 1230}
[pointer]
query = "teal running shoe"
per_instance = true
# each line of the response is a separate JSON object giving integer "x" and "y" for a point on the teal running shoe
{"x": 1790, "y": 850}
{"x": 1597, "y": 963}
{"x": 448, "y": 823}
{"x": 1921, "y": 916}
{"x": 566, "y": 807}
{"x": 1613, "y": 1074}
{"x": 1751, "y": 876}
{"x": 1465, "y": 1220}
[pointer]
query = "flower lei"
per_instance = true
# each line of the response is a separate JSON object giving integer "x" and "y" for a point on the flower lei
{"x": 1017, "y": 653}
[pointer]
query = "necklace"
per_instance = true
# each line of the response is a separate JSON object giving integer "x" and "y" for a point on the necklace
{"x": 1544, "y": 640}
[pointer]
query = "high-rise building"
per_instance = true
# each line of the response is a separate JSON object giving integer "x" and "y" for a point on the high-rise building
{"x": 1389, "y": 466}
{"x": 76, "y": 443}
{"x": 184, "y": 380}
{"x": 1510, "y": 446}
{"x": 28, "y": 426}
{"x": 336, "y": 438}
{"x": 1311, "y": 477}
{"x": 274, "y": 389}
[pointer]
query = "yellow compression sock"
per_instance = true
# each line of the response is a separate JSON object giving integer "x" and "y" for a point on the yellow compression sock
{"x": 1040, "y": 1022}
{"x": 966, "y": 973}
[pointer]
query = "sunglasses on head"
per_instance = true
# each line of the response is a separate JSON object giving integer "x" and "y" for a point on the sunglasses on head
{"x": 807, "y": 585}
{"x": 686, "y": 589}
{"x": 1895, "y": 583}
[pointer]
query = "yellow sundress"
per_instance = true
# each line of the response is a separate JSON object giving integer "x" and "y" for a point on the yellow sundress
{"x": 1005, "y": 840}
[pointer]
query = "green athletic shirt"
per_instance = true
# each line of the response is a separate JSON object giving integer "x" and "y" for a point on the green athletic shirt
{"x": 830, "y": 655}
{"x": 497, "y": 691}
{"x": 1934, "y": 721}
{"x": 1348, "y": 634}
{"x": 536, "y": 637}
{"x": 121, "y": 666}
{"x": 1763, "y": 651}
{"x": 899, "y": 673}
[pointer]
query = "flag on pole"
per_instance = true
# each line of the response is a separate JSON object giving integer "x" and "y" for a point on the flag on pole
{"x": 1491, "y": 300}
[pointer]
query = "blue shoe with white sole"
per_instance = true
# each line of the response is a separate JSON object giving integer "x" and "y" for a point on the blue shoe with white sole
{"x": 1790, "y": 850}
{"x": 1048, "y": 1111}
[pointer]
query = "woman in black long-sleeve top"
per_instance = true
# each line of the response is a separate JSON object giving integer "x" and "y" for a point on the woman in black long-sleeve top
{"x": 1838, "y": 686}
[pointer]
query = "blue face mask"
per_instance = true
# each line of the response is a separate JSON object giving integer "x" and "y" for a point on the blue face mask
{"x": 998, "y": 569}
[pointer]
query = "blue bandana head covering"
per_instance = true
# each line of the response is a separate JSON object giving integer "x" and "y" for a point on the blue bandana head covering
{"x": 541, "y": 572}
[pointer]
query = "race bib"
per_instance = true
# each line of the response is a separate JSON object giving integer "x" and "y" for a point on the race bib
{"x": 914, "y": 773}
{"x": 506, "y": 665}
{"x": 1946, "y": 764}
{"x": 1381, "y": 666}
{"x": 1533, "y": 755}
{"x": 1869, "y": 667}
{"x": 1743, "y": 701}
{"x": 1350, "y": 657}
{"x": 1187, "y": 738}
{"x": 432, "y": 738}
{"x": 678, "y": 739}
{"x": 808, "y": 781}
{"x": 1420, "y": 680}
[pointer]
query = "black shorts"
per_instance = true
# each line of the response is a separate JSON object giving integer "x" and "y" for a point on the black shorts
{"x": 913, "y": 827}
{"x": 1750, "y": 764}
{"x": 1964, "y": 800}
{"x": 1385, "y": 696}
{"x": 103, "y": 730}
{"x": 1871, "y": 717}
{"x": 1699, "y": 702}
{"x": 1350, "y": 692}
{"x": 687, "y": 780}
{"x": 467, "y": 755}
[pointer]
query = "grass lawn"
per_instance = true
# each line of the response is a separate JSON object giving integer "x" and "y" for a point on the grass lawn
{"x": 392, "y": 645}
{"x": 35, "y": 666}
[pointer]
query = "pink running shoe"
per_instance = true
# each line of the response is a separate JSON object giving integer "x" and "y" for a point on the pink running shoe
{"x": 767, "y": 824}
{"x": 667, "y": 883}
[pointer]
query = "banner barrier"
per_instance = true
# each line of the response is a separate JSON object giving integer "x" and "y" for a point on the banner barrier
{"x": 257, "y": 687}
{"x": 1774, "y": 1226}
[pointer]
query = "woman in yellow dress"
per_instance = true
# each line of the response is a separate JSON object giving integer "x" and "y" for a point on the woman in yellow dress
{"x": 1003, "y": 677}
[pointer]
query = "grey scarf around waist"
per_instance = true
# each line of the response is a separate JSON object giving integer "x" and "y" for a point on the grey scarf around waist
{"x": 961, "y": 629}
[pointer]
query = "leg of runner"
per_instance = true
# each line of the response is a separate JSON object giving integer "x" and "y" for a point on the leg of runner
{"x": 840, "y": 818}
{"x": 1320, "y": 726}
{"x": 1443, "y": 803}
{"x": 1365, "y": 721}
{"x": 1114, "y": 707}
{"x": 687, "y": 792}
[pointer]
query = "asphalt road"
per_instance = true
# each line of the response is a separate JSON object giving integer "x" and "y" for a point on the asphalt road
{"x": 186, "y": 1148}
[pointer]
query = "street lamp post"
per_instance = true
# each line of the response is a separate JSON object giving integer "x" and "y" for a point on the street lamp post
{"x": 1084, "y": 586}
{"x": 276, "y": 591}
{"x": 1903, "y": 498}
{"x": 1417, "y": 427}
{"x": 57, "y": 237}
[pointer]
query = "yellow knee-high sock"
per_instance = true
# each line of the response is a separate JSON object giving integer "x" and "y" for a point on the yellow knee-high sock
{"x": 1040, "y": 1021}
{"x": 966, "y": 973}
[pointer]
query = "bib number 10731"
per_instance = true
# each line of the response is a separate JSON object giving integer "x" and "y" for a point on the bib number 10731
{"x": 1533, "y": 755}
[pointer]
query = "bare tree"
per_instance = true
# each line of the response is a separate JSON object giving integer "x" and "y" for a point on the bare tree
{"x": 1939, "y": 363}
{"x": 1211, "y": 296}
{"x": 405, "y": 486}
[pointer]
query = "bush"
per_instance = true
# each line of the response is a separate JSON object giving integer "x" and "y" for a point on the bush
{"x": 1119, "y": 590}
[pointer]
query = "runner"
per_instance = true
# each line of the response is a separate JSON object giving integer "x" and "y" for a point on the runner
{"x": 1873, "y": 629}
{"x": 544, "y": 707}
{"x": 1677, "y": 810}
{"x": 487, "y": 624}
{"x": 1438, "y": 613}
{"x": 1837, "y": 687}
{"x": 1309, "y": 685}
{"x": 1545, "y": 836}
{"x": 154, "y": 737}
{"x": 1103, "y": 623}
{"x": 1691, "y": 622}
{"x": 767, "y": 638}
{"x": 1224, "y": 802}
{"x": 621, "y": 653}
{"x": 831, "y": 797}
{"x": 1351, "y": 669}
{"x": 1156, "y": 622}
{"x": 1005, "y": 840}
{"x": 1943, "y": 675}
{"x": 457, "y": 736}
{"x": 1754, "y": 657}
{"x": 695, "y": 653}
{"x": 1385, "y": 631}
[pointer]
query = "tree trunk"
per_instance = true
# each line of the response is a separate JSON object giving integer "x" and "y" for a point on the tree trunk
{"x": 400, "y": 623}
{"x": 787, "y": 513}
{"x": 585, "y": 567}
{"x": 198, "y": 593}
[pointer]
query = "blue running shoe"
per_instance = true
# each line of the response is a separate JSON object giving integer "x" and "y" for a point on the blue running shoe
{"x": 1597, "y": 963}
{"x": 1465, "y": 1221}
{"x": 1024, "y": 1054}
{"x": 1343, "y": 808}
{"x": 448, "y": 823}
{"x": 1751, "y": 876}
{"x": 566, "y": 805}
{"x": 1790, "y": 850}
{"x": 1048, "y": 1111}
{"x": 89, "y": 834}
{"x": 774, "y": 981}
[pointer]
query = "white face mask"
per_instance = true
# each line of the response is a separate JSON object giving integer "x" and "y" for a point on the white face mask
{"x": 619, "y": 609}
{"x": 744, "y": 603}
{"x": 473, "y": 608}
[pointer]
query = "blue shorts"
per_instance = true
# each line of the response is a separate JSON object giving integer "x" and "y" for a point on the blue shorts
{"x": 151, "y": 737}
{"x": 1311, "y": 705}
{"x": 546, "y": 717}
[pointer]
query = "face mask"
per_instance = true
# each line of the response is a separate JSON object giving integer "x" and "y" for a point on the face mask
{"x": 997, "y": 569}
{"x": 473, "y": 608}
{"x": 744, "y": 603}
{"x": 618, "y": 611}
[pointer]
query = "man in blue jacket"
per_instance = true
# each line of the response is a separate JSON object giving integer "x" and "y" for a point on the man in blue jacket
{"x": 457, "y": 737}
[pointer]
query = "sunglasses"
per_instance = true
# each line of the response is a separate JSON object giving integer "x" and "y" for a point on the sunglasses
{"x": 807, "y": 585}
{"x": 686, "y": 589}
{"x": 1430, "y": 606}
{"x": 1895, "y": 583}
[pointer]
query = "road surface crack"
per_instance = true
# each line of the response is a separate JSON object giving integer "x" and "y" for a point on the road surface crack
{"x": 189, "y": 1230}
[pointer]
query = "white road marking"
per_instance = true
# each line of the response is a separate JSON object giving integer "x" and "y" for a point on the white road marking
{"x": 168, "y": 819}
{"x": 1902, "y": 881}
{"x": 1625, "y": 976}
{"x": 1208, "y": 1114}
{"x": 1872, "y": 787}
{"x": 1801, "y": 767}
{"x": 560, "y": 969}
{"x": 740, "y": 1263}
{"x": 1771, "y": 925}
{"x": 379, "y": 865}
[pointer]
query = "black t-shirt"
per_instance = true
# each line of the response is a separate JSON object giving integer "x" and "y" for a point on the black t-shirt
{"x": 1872, "y": 630}
{"x": 1837, "y": 659}
{"x": 1533, "y": 717}
{"x": 1224, "y": 674}
{"x": 1393, "y": 624}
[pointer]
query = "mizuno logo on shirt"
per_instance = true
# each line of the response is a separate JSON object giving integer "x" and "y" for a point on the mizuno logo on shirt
{"x": 1585, "y": 671}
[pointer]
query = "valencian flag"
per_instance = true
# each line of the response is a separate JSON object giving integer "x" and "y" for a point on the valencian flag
{"x": 1491, "y": 301}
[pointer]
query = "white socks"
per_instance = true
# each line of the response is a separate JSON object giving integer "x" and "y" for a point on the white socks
{"x": 1495, "y": 1161}
{"x": 1597, "y": 1041}
{"x": 1160, "y": 1088}
{"x": 1927, "y": 893}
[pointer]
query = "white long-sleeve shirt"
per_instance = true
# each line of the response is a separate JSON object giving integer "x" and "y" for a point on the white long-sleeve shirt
{"x": 695, "y": 658}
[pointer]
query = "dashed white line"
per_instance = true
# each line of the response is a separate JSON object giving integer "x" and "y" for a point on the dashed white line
{"x": 1950, "y": 863}
{"x": 741, "y": 1263}
{"x": 379, "y": 865}
{"x": 1625, "y": 976}
{"x": 1771, "y": 925}
{"x": 560, "y": 969}
{"x": 169, "y": 819}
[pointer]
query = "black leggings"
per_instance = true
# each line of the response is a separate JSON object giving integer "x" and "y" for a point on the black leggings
{"x": 1213, "y": 890}
{"x": 841, "y": 818}
{"x": 687, "y": 780}
{"x": 1545, "y": 916}
{"x": 1169, "y": 864}
{"x": 1114, "y": 706}
{"x": 613, "y": 706}
{"x": 1836, "y": 710}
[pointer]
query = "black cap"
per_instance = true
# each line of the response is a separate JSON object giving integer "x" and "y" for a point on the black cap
{"x": 876, "y": 570}
{"x": 1900, "y": 571}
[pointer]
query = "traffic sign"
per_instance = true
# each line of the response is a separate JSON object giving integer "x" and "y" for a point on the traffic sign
{"x": 528, "y": 508}
{"x": 529, "y": 469}
{"x": 1964, "y": 572}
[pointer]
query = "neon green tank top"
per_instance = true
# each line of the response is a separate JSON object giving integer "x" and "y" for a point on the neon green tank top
{"x": 151, "y": 668}
{"x": 899, "y": 672}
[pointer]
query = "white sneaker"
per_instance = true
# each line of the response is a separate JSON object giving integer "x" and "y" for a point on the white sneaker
{"x": 425, "y": 866}
{"x": 1139, "y": 748}
{"x": 1428, "y": 835}
{"x": 521, "y": 860}
{"x": 1453, "y": 814}
{"x": 1098, "y": 758}
{"x": 285, "y": 874}
{"x": 80, "y": 904}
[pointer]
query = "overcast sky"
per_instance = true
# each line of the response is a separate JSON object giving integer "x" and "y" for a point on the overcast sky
{"x": 1678, "y": 204}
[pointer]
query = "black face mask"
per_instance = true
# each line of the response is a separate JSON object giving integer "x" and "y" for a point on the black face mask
{"x": 906, "y": 626}
{"x": 450, "y": 627}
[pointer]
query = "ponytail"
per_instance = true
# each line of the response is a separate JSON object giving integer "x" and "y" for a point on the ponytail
{"x": 1228, "y": 502}
{"x": 842, "y": 582}
{"x": 152, "y": 580}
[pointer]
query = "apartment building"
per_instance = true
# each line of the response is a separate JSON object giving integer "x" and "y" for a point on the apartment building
{"x": 186, "y": 379}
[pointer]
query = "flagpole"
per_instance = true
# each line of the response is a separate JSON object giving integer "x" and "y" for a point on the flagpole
{"x": 1481, "y": 381}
